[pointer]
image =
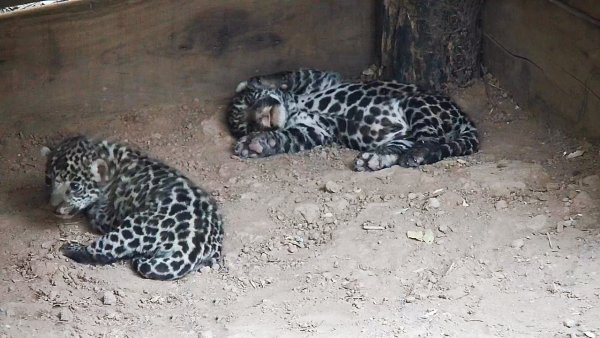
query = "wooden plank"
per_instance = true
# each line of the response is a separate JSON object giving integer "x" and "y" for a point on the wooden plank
{"x": 102, "y": 56}
{"x": 548, "y": 59}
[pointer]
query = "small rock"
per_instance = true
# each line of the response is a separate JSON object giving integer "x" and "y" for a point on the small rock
{"x": 65, "y": 315}
{"x": 575, "y": 154}
{"x": 428, "y": 236}
{"x": 433, "y": 203}
{"x": 215, "y": 267}
{"x": 418, "y": 235}
{"x": 108, "y": 298}
{"x": 205, "y": 269}
{"x": 410, "y": 299}
{"x": 501, "y": 204}
{"x": 47, "y": 244}
{"x": 332, "y": 187}
{"x": 569, "y": 322}
{"x": 517, "y": 243}
{"x": 589, "y": 334}
{"x": 412, "y": 196}
{"x": 292, "y": 248}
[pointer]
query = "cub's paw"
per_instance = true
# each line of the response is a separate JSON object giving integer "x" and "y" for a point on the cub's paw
{"x": 372, "y": 161}
{"x": 415, "y": 156}
{"x": 77, "y": 252}
{"x": 256, "y": 145}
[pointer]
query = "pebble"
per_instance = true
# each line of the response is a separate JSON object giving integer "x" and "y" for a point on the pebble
{"x": 108, "y": 298}
{"x": 418, "y": 235}
{"x": 332, "y": 187}
{"x": 292, "y": 248}
{"x": 47, "y": 245}
{"x": 428, "y": 236}
{"x": 569, "y": 322}
{"x": 65, "y": 315}
{"x": 517, "y": 243}
{"x": 501, "y": 204}
{"x": 412, "y": 196}
{"x": 205, "y": 269}
{"x": 589, "y": 334}
{"x": 434, "y": 203}
{"x": 410, "y": 299}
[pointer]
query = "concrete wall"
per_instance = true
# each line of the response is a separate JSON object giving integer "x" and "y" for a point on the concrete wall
{"x": 100, "y": 56}
{"x": 548, "y": 57}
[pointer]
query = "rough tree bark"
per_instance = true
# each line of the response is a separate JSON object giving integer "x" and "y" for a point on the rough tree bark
{"x": 431, "y": 42}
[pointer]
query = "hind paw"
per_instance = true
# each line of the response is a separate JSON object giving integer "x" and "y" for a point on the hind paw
{"x": 256, "y": 145}
{"x": 372, "y": 161}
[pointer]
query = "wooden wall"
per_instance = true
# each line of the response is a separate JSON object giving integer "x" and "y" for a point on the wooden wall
{"x": 90, "y": 57}
{"x": 548, "y": 56}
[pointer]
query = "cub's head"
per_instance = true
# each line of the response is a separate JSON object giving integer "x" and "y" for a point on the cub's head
{"x": 280, "y": 80}
{"x": 254, "y": 110}
{"x": 75, "y": 173}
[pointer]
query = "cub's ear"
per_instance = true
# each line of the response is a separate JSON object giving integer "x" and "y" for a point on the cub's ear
{"x": 45, "y": 151}
{"x": 241, "y": 86}
{"x": 100, "y": 171}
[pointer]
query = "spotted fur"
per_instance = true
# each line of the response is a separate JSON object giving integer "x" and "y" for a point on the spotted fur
{"x": 389, "y": 122}
{"x": 145, "y": 210}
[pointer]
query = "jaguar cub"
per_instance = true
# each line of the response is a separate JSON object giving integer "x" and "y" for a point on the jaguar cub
{"x": 146, "y": 211}
{"x": 389, "y": 122}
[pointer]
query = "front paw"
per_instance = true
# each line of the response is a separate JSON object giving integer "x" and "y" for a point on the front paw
{"x": 256, "y": 145}
{"x": 77, "y": 252}
{"x": 414, "y": 157}
{"x": 372, "y": 161}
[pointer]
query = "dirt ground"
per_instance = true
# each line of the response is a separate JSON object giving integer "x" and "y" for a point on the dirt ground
{"x": 506, "y": 243}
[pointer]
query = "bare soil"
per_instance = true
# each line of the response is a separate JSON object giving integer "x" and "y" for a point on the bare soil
{"x": 506, "y": 242}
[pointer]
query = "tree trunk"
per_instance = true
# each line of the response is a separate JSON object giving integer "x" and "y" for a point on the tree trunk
{"x": 431, "y": 43}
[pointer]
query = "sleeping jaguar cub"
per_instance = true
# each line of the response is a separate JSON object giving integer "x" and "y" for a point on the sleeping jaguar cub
{"x": 389, "y": 122}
